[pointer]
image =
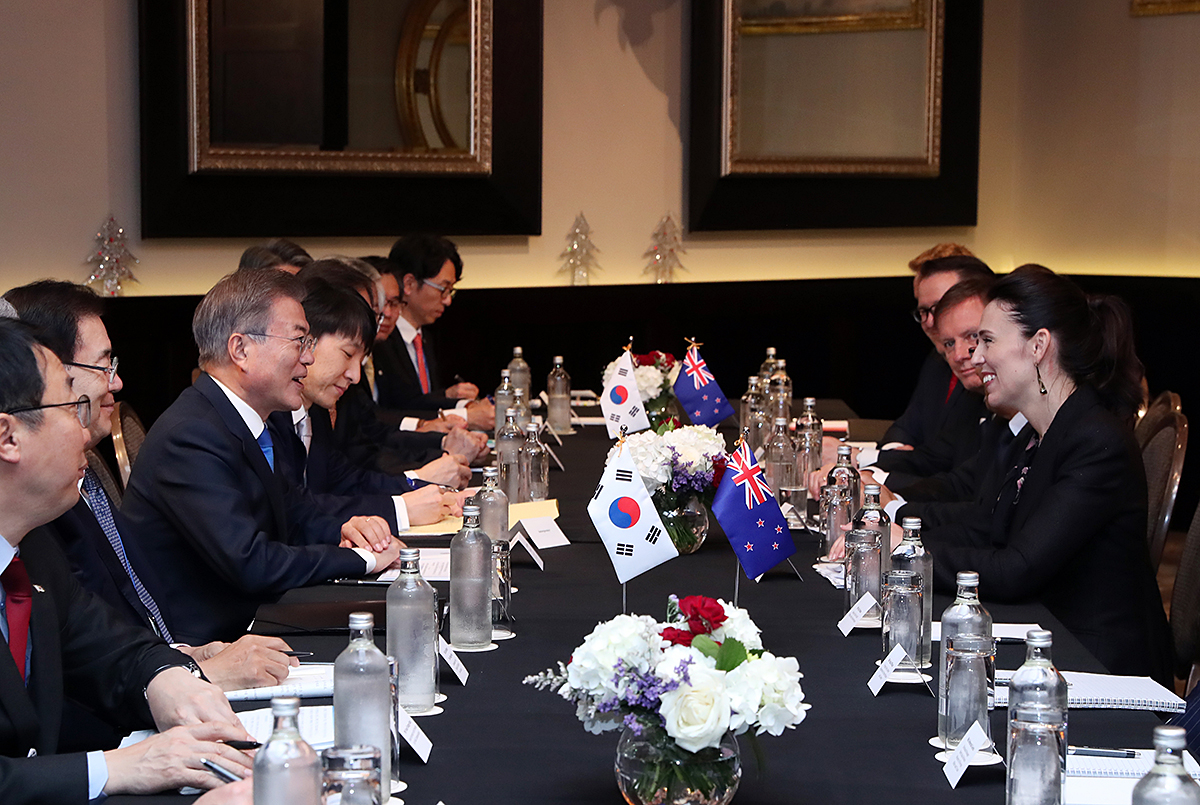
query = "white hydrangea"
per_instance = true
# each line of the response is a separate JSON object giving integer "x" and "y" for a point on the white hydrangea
{"x": 765, "y": 692}
{"x": 697, "y": 446}
{"x": 649, "y": 379}
{"x": 739, "y": 626}
{"x": 632, "y": 638}
{"x": 650, "y": 456}
{"x": 673, "y": 657}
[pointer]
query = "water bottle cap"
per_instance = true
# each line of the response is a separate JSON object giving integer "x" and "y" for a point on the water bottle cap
{"x": 753, "y": 380}
{"x": 911, "y": 523}
{"x": 967, "y": 578}
{"x": 491, "y": 472}
{"x": 361, "y": 620}
{"x": 1041, "y": 638}
{"x": 410, "y": 554}
{"x": 285, "y": 706}
{"x": 780, "y": 421}
{"x": 781, "y": 363}
{"x": 871, "y": 489}
{"x": 1168, "y": 737}
{"x": 471, "y": 510}
{"x": 557, "y": 360}
{"x": 843, "y": 450}
{"x": 531, "y": 427}
{"x": 518, "y": 393}
{"x": 770, "y": 352}
{"x": 810, "y": 400}
{"x": 510, "y": 412}
{"x": 518, "y": 352}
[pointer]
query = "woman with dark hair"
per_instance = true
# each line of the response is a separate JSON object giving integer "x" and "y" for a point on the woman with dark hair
{"x": 1067, "y": 524}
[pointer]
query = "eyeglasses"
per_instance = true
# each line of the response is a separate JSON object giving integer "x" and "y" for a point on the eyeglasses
{"x": 919, "y": 315}
{"x": 110, "y": 370}
{"x": 83, "y": 409}
{"x": 305, "y": 342}
{"x": 447, "y": 291}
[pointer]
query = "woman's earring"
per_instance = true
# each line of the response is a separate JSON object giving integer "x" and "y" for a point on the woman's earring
{"x": 1041, "y": 385}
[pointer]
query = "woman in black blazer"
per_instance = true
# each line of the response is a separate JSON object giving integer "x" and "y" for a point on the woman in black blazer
{"x": 1067, "y": 526}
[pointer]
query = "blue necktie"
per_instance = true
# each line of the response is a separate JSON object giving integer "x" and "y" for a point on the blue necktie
{"x": 98, "y": 501}
{"x": 268, "y": 447}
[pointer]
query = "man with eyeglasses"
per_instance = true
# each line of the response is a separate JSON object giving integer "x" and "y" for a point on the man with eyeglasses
{"x": 60, "y": 640}
{"x": 206, "y": 503}
{"x": 68, "y": 320}
{"x": 406, "y": 365}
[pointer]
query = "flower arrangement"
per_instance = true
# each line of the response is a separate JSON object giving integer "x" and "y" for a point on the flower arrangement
{"x": 681, "y": 686}
{"x": 681, "y": 467}
{"x": 655, "y": 374}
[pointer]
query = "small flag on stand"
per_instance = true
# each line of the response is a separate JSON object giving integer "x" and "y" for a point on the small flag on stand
{"x": 746, "y": 508}
{"x": 621, "y": 403}
{"x": 698, "y": 392}
{"x": 628, "y": 524}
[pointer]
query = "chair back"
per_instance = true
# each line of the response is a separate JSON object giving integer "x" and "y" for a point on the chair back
{"x": 128, "y": 435}
{"x": 1159, "y": 410}
{"x": 99, "y": 466}
{"x": 1185, "y": 604}
{"x": 1162, "y": 456}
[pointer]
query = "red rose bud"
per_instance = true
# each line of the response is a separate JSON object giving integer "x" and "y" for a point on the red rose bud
{"x": 677, "y": 637}
{"x": 703, "y": 614}
{"x": 718, "y": 470}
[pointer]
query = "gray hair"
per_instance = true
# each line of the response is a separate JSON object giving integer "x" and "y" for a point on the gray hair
{"x": 240, "y": 303}
{"x": 7, "y": 311}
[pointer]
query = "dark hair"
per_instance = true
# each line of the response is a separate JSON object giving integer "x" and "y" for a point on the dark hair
{"x": 383, "y": 265}
{"x": 21, "y": 381}
{"x": 939, "y": 250}
{"x": 240, "y": 303}
{"x": 967, "y": 267}
{"x": 290, "y": 252}
{"x": 956, "y": 294}
{"x": 344, "y": 272}
{"x": 1094, "y": 333}
{"x": 260, "y": 257}
{"x": 332, "y": 309}
{"x": 54, "y": 308}
{"x": 423, "y": 256}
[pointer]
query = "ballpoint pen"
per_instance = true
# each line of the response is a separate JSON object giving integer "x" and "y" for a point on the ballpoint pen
{"x": 222, "y": 772}
{"x": 1087, "y": 751}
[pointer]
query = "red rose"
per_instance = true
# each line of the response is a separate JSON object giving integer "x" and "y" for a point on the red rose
{"x": 677, "y": 637}
{"x": 703, "y": 614}
{"x": 644, "y": 360}
{"x": 718, "y": 470}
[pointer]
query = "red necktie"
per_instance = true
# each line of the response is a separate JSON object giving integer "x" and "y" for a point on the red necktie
{"x": 18, "y": 603}
{"x": 422, "y": 372}
{"x": 949, "y": 391}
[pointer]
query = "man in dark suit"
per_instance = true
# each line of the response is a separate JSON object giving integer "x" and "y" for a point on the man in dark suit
{"x": 68, "y": 320}
{"x": 60, "y": 639}
{"x": 205, "y": 503}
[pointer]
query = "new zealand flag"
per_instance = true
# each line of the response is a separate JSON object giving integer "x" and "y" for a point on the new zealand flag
{"x": 750, "y": 515}
{"x": 698, "y": 392}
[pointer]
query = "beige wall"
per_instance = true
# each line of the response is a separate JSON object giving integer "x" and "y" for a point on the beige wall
{"x": 1090, "y": 156}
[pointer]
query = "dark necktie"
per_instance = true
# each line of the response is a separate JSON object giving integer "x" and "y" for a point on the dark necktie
{"x": 18, "y": 604}
{"x": 98, "y": 501}
{"x": 268, "y": 447}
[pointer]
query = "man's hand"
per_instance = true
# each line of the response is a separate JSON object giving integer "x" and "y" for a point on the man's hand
{"x": 481, "y": 415}
{"x": 370, "y": 533}
{"x": 463, "y": 391}
{"x": 450, "y": 470}
{"x": 178, "y": 698}
{"x": 233, "y": 794}
{"x": 464, "y": 443}
{"x": 429, "y": 504}
{"x": 443, "y": 424}
{"x": 253, "y": 661}
{"x": 171, "y": 759}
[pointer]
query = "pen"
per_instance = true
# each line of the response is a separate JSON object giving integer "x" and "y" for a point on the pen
{"x": 222, "y": 772}
{"x": 1084, "y": 751}
{"x": 242, "y": 745}
{"x": 290, "y": 654}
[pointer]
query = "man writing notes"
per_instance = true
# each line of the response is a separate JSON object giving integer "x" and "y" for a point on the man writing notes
{"x": 67, "y": 318}
{"x": 61, "y": 640}
{"x": 224, "y": 530}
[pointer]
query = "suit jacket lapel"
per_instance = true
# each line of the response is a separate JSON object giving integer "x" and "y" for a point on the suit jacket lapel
{"x": 108, "y": 556}
{"x": 318, "y": 449}
{"x": 46, "y": 680}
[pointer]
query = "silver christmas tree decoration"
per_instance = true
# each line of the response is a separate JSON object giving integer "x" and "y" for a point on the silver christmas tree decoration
{"x": 111, "y": 259}
{"x": 665, "y": 247}
{"x": 580, "y": 252}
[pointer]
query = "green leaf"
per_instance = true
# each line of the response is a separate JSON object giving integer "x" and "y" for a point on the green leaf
{"x": 708, "y": 647}
{"x": 731, "y": 655}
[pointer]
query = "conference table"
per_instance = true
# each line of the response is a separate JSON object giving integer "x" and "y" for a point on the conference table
{"x": 500, "y": 741}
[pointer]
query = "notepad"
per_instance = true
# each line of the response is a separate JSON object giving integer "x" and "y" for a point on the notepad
{"x": 445, "y": 526}
{"x": 308, "y": 681}
{"x": 1130, "y": 768}
{"x": 1108, "y": 692}
{"x": 435, "y": 566}
{"x": 315, "y": 723}
{"x": 533, "y": 508}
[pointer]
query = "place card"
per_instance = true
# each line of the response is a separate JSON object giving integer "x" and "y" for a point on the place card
{"x": 519, "y": 539}
{"x": 451, "y": 658}
{"x": 972, "y": 742}
{"x": 544, "y": 532}
{"x": 413, "y": 735}
{"x": 890, "y": 663}
{"x": 856, "y": 613}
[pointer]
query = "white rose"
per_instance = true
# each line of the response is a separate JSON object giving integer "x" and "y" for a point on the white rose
{"x": 738, "y": 626}
{"x": 696, "y": 715}
{"x": 632, "y": 638}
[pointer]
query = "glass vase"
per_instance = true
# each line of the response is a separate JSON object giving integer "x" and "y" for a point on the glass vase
{"x": 652, "y": 769}
{"x": 685, "y": 516}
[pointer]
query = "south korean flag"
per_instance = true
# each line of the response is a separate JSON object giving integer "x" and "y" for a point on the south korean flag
{"x": 620, "y": 402}
{"x": 627, "y": 522}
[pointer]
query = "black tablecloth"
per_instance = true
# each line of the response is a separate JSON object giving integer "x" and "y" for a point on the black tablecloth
{"x": 501, "y": 741}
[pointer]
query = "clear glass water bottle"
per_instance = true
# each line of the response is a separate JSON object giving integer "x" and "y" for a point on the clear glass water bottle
{"x": 362, "y": 693}
{"x": 533, "y": 467}
{"x": 843, "y": 473}
{"x": 872, "y": 517}
{"x": 835, "y": 513}
{"x": 862, "y": 572}
{"x": 502, "y": 620}
{"x": 903, "y": 597}
{"x": 558, "y": 389}
{"x": 1037, "y": 727}
{"x": 779, "y": 391}
{"x": 521, "y": 408}
{"x": 1167, "y": 782}
{"x": 508, "y": 445}
{"x": 503, "y": 398}
{"x": 753, "y": 399}
{"x": 518, "y": 371}
{"x": 965, "y": 616}
{"x": 286, "y": 769}
{"x": 470, "y": 584}
{"x": 768, "y": 366}
{"x": 493, "y": 505}
{"x": 911, "y": 554}
{"x": 412, "y": 634}
{"x": 758, "y": 432}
